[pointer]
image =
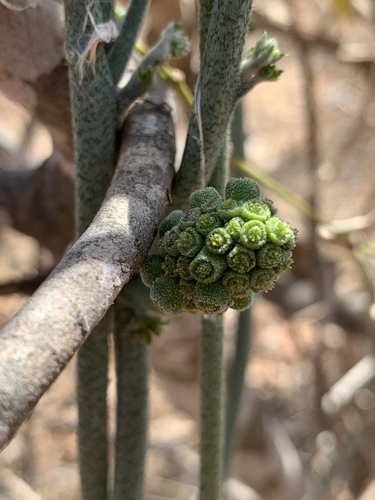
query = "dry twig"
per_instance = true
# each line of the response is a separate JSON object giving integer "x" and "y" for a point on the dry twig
{"x": 39, "y": 341}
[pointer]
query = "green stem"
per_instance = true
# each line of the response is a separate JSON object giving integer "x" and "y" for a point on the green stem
{"x": 124, "y": 45}
{"x": 205, "y": 11}
{"x": 215, "y": 95}
{"x": 236, "y": 382}
{"x": 132, "y": 410}
{"x": 93, "y": 97}
{"x": 220, "y": 176}
{"x": 142, "y": 77}
{"x": 238, "y": 136}
{"x": 107, "y": 7}
{"x": 92, "y": 412}
{"x": 212, "y": 396}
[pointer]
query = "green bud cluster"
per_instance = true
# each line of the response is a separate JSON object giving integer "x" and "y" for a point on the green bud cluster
{"x": 220, "y": 252}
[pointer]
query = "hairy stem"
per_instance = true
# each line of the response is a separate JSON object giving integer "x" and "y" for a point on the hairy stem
{"x": 93, "y": 97}
{"x": 124, "y": 45}
{"x": 237, "y": 372}
{"x": 205, "y": 11}
{"x": 216, "y": 92}
{"x": 212, "y": 396}
{"x": 132, "y": 406}
{"x": 236, "y": 383}
{"x": 92, "y": 411}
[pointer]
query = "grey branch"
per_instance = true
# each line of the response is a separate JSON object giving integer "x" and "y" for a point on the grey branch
{"x": 40, "y": 340}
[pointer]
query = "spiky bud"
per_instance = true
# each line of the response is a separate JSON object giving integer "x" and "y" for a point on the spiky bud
{"x": 241, "y": 259}
{"x": 237, "y": 284}
{"x": 240, "y": 304}
{"x": 152, "y": 269}
{"x": 182, "y": 267}
{"x": 242, "y": 189}
{"x": 203, "y": 196}
{"x": 219, "y": 241}
{"x": 262, "y": 280}
{"x": 207, "y": 267}
{"x": 255, "y": 210}
{"x": 169, "y": 243}
{"x": 212, "y": 298}
{"x": 234, "y": 227}
{"x": 171, "y": 221}
{"x": 220, "y": 252}
{"x": 166, "y": 294}
{"x": 207, "y": 222}
{"x": 279, "y": 232}
{"x": 271, "y": 255}
{"x": 190, "y": 242}
{"x": 253, "y": 234}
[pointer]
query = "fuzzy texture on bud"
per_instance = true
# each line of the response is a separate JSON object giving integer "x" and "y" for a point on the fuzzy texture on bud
{"x": 271, "y": 255}
{"x": 207, "y": 267}
{"x": 208, "y": 222}
{"x": 204, "y": 196}
{"x": 242, "y": 189}
{"x": 241, "y": 259}
{"x": 240, "y": 304}
{"x": 234, "y": 227}
{"x": 152, "y": 269}
{"x": 171, "y": 221}
{"x": 190, "y": 242}
{"x": 219, "y": 241}
{"x": 253, "y": 234}
{"x": 255, "y": 210}
{"x": 166, "y": 294}
{"x": 220, "y": 252}
{"x": 213, "y": 298}
{"x": 279, "y": 232}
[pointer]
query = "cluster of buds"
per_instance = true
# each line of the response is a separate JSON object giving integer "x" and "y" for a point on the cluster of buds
{"x": 218, "y": 253}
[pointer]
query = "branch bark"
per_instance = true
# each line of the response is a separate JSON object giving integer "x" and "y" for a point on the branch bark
{"x": 40, "y": 340}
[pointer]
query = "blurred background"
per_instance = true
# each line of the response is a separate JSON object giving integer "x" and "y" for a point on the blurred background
{"x": 307, "y": 422}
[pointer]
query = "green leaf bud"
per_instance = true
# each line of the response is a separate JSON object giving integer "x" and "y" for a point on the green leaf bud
{"x": 238, "y": 284}
{"x": 182, "y": 267}
{"x": 151, "y": 269}
{"x": 219, "y": 241}
{"x": 169, "y": 243}
{"x": 180, "y": 46}
{"x": 146, "y": 73}
{"x": 241, "y": 259}
{"x": 240, "y": 304}
{"x": 190, "y": 218}
{"x": 255, "y": 210}
{"x": 207, "y": 267}
{"x": 262, "y": 280}
{"x": 271, "y": 255}
{"x": 242, "y": 189}
{"x": 207, "y": 222}
{"x": 253, "y": 234}
{"x": 234, "y": 226}
{"x": 143, "y": 328}
{"x": 229, "y": 209}
{"x": 170, "y": 266}
{"x": 279, "y": 232}
{"x": 211, "y": 298}
{"x": 187, "y": 289}
{"x": 203, "y": 196}
{"x": 190, "y": 242}
{"x": 165, "y": 292}
{"x": 171, "y": 221}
